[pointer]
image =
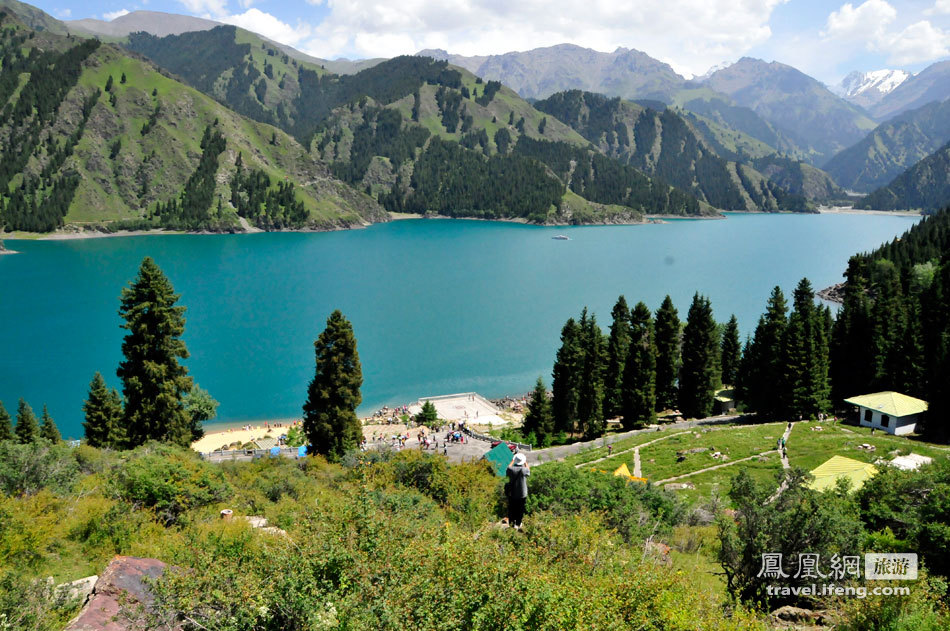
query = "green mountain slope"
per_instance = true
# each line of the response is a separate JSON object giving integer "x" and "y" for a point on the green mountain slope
{"x": 924, "y": 186}
{"x": 91, "y": 135}
{"x": 663, "y": 144}
{"x": 929, "y": 85}
{"x": 892, "y": 148}
{"x": 800, "y": 107}
{"x": 341, "y": 119}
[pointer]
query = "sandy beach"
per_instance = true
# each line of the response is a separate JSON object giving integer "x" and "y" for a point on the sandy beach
{"x": 848, "y": 210}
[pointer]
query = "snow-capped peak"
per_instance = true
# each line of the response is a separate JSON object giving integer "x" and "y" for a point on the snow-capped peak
{"x": 714, "y": 70}
{"x": 879, "y": 81}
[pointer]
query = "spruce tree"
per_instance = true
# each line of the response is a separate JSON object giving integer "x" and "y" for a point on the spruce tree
{"x": 618, "y": 345}
{"x": 730, "y": 352}
{"x": 6, "y": 427}
{"x": 699, "y": 374}
{"x": 566, "y": 375}
{"x": 48, "y": 429}
{"x": 428, "y": 415}
{"x": 590, "y": 399}
{"x": 806, "y": 390}
{"x": 103, "y": 412}
{"x": 667, "y": 338}
{"x": 763, "y": 372}
{"x": 27, "y": 427}
{"x": 538, "y": 420}
{"x": 153, "y": 382}
{"x": 329, "y": 415}
{"x": 639, "y": 378}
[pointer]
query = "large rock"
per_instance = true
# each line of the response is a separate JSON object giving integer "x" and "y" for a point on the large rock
{"x": 121, "y": 590}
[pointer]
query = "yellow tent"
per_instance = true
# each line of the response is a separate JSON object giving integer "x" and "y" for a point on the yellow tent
{"x": 827, "y": 474}
{"x": 623, "y": 471}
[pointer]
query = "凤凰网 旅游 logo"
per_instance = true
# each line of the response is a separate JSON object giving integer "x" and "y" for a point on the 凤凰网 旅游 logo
{"x": 890, "y": 566}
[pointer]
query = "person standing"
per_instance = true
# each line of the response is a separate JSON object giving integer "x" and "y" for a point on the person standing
{"x": 517, "y": 489}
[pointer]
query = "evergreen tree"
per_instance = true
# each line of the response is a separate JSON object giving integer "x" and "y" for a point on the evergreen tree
{"x": 201, "y": 407}
{"x": 153, "y": 382}
{"x": 698, "y": 374}
{"x": 806, "y": 390}
{"x": 667, "y": 337}
{"x": 852, "y": 355}
{"x": 428, "y": 415}
{"x": 639, "y": 377}
{"x": 538, "y": 420}
{"x": 618, "y": 345}
{"x": 760, "y": 386}
{"x": 6, "y": 428}
{"x": 329, "y": 415}
{"x": 567, "y": 375}
{"x": 48, "y": 429}
{"x": 103, "y": 412}
{"x": 731, "y": 352}
{"x": 590, "y": 400}
{"x": 27, "y": 428}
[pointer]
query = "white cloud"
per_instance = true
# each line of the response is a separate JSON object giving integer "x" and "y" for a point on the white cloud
{"x": 921, "y": 41}
{"x": 691, "y": 35}
{"x": 108, "y": 17}
{"x": 211, "y": 8}
{"x": 939, "y": 7}
{"x": 267, "y": 25}
{"x": 873, "y": 24}
{"x": 245, "y": 4}
{"x": 867, "y": 21}
{"x": 63, "y": 13}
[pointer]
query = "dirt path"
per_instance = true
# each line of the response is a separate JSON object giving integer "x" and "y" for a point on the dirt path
{"x": 636, "y": 453}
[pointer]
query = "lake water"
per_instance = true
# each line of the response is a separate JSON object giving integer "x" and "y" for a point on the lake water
{"x": 438, "y": 306}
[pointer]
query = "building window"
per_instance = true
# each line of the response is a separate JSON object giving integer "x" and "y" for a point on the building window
{"x": 867, "y": 416}
{"x": 885, "y": 420}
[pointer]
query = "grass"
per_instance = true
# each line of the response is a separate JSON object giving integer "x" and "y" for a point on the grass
{"x": 763, "y": 470}
{"x": 623, "y": 444}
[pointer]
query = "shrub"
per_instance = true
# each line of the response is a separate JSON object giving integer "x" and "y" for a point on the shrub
{"x": 26, "y": 469}
{"x": 169, "y": 480}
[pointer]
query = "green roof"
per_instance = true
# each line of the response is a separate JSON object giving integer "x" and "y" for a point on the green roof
{"x": 499, "y": 457}
{"x": 827, "y": 474}
{"x": 890, "y": 403}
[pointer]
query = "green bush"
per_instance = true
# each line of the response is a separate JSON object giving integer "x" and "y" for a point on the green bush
{"x": 169, "y": 480}
{"x": 26, "y": 469}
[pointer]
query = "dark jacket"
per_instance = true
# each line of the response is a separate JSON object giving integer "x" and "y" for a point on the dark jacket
{"x": 517, "y": 481}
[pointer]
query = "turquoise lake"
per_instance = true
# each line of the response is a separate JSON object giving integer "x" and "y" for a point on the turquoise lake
{"x": 438, "y": 306}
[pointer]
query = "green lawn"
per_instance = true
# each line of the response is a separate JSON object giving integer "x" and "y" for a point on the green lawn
{"x": 621, "y": 445}
{"x": 808, "y": 449}
{"x": 718, "y": 482}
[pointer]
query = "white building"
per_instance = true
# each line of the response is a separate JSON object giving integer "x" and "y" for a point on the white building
{"x": 893, "y": 412}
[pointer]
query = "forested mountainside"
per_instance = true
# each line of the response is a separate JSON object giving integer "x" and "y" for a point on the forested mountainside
{"x": 925, "y": 186}
{"x": 667, "y": 144}
{"x": 394, "y": 154}
{"x": 892, "y": 148}
{"x": 803, "y": 109}
{"x": 929, "y": 85}
{"x": 91, "y": 135}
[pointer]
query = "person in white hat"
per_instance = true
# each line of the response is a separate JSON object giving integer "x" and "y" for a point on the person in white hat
{"x": 517, "y": 489}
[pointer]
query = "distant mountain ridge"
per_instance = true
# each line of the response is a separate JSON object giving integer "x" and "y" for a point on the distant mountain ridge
{"x": 929, "y": 85}
{"x": 801, "y": 107}
{"x": 868, "y": 88}
{"x": 893, "y": 147}
{"x": 154, "y": 22}
{"x": 924, "y": 186}
{"x": 541, "y": 72}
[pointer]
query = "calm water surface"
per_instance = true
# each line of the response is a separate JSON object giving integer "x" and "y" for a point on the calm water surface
{"x": 438, "y": 306}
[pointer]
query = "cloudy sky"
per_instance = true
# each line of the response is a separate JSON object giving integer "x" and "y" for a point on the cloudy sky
{"x": 824, "y": 38}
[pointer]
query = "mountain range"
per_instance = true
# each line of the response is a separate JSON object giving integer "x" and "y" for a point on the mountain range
{"x": 868, "y": 88}
{"x": 279, "y": 139}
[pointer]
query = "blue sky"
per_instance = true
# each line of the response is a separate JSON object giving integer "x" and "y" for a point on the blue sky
{"x": 826, "y": 39}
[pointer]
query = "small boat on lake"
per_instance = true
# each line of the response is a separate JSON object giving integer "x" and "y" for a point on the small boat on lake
{"x": 561, "y": 237}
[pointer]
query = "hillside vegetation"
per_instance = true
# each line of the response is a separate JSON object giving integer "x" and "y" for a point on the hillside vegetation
{"x": 924, "y": 186}
{"x": 93, "y": 135}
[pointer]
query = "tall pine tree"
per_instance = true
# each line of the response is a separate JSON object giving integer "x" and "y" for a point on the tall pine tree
{"x": 852, "y": 354}
{"x": 639, "y": 382}
{"x": 667, "y": 336}
{"x": 103, "y": 412}
{"x": 27, "y": 427}
{"x": 590, "y": 399}
{"x": 6, "y": 427}
{"x": 48, "y": 429}
{"x": 730, "y": 352}
{"x": 805, "y": 388}
{"x": 699, "y": 371}
{"x": 538, "y": 420}
{"x": 618, "y": 346}
{"x": 329, "y": 414}
{"x": 761, "y": 371}
{"x": 153, "y": 382}
{"x": 567, "y": 374}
